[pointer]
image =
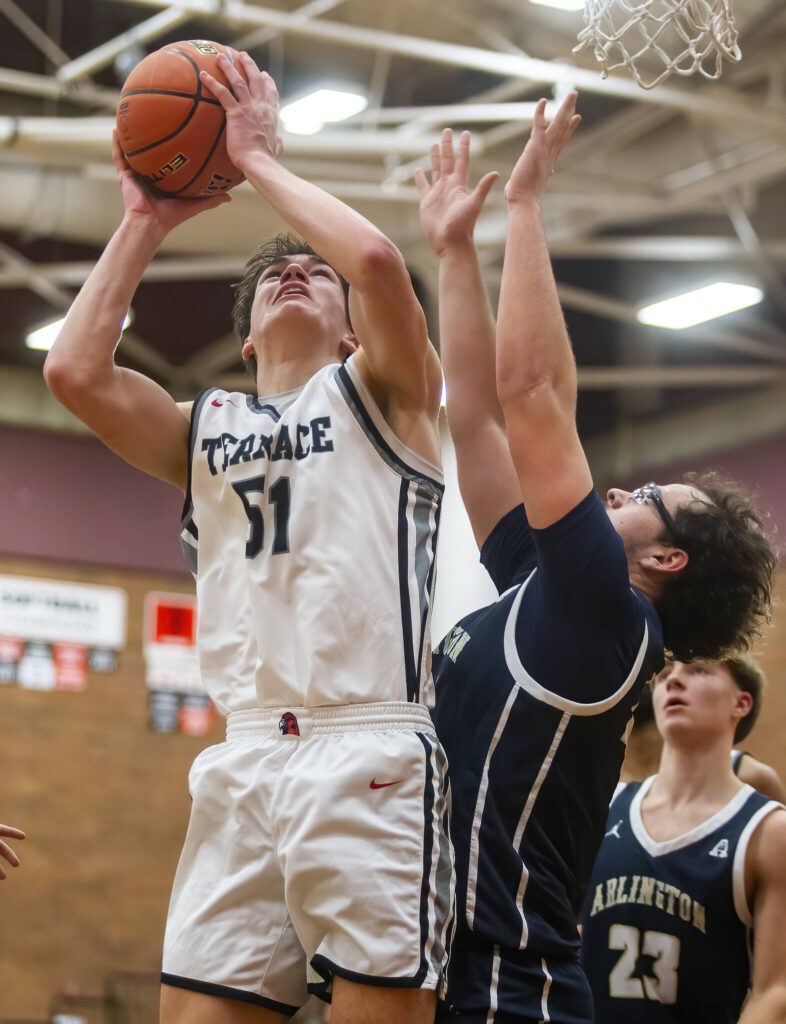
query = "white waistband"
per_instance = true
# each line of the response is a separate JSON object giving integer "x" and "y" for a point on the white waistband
{"x": 289, "y": 722}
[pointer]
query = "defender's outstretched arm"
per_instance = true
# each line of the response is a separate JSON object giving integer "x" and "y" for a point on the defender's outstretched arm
{"x": 448, "y": 212}
{"x": 536, "y": 371}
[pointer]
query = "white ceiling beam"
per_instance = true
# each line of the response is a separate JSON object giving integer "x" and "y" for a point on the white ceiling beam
{"x": 260, "y": 36}
{"x": 659, "y": 248}
{"x": 74, "y": 274}
{"x": 28, "y": 84}
{"x": 451, "y": 113}
{"x": 723, "y": 106}
{"x": 620, "y": 378}
{"x": 99, "y": 57}
{"x": 53, "y": 53}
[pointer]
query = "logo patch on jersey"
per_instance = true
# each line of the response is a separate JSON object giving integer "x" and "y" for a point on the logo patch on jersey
{"x": 615, "y": 830}
{"x": 455, "y": 642}
{"x": 288, "y": 725}
{"x": 227, "y": 401}
{"x": 720, "y": 849}
{"x": 383, "y": 785}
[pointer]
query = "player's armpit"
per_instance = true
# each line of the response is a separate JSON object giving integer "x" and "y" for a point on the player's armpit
{"x": 132, "y": 415}
{"x": 766, "y": 874}
{"x": 762, "y": 777}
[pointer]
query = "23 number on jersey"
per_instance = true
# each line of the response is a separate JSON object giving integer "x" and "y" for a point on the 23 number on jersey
{"x": 624, "y": 982}
{"x": 279, "y": 497}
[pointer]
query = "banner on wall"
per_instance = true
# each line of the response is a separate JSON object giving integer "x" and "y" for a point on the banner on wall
{"x": 177, "y": 700}
{"x": 52, "y": 631}
{"x": 57, "y": 611}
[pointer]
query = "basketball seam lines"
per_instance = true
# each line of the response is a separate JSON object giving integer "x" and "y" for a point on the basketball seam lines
{"x": 189, "y": 183}
{"x": 197, "y": 97}
{"x": 170, "y": 92}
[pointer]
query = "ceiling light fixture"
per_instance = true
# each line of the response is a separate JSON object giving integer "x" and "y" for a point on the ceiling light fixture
{"x": 311, "y": 113}
{"x": 700, "y": 305}
{"x": 42, "y": 338}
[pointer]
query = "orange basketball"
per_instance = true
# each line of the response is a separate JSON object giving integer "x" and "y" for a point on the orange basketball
{"x": 171, "y": 128}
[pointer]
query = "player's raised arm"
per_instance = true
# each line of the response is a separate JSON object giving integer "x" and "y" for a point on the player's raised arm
{"x": 767, "y": 865}
{"x": 536, "y": 371}
{"x": 386, "y": 316}
{"x": 449, "y": 209}
{"x": 130, "y": 413}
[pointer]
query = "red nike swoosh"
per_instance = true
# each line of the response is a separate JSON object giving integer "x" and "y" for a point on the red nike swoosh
{"x": 216, "y": 403}
{"x": 383, "y": 785}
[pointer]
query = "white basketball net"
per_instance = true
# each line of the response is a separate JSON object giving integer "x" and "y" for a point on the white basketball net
{"x": 687, "y": 36}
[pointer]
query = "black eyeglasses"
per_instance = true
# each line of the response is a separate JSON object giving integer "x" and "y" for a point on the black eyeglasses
{"x": 651, "y": 492}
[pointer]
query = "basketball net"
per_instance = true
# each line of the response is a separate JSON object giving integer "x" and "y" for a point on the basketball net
{"x": 657, "y": 38}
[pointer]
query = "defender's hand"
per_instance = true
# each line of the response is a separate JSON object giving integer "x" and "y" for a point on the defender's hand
{"x": 5, "y": 850}
{"x": 449, "y": 209}
{"x": 539, "y": 159}
{"x": 141, "y": 201}
{"x": 251, "y": 107}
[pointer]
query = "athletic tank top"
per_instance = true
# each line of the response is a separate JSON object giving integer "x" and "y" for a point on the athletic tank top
{"x": 666, "y": 927}
{"x": 311, "y": 531}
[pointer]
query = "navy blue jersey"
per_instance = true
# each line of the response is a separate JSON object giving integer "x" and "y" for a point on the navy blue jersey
{"x": 534, "y": 696}
{"x": 666, "y": 925}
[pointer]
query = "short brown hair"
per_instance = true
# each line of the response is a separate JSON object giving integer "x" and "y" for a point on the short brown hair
{"x": 276, "y": 248}
{"x": 748, "y": 677}
{"x": 721, "y": 600}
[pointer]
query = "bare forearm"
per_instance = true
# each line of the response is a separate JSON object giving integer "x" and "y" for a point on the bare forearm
{"x": 466, "y": 328}
{"x": 90, "y": 334}
{"x": 533, "y": 348}
{"x": 338, "y": 233}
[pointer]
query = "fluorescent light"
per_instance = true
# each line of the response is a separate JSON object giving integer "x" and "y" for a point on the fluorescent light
{"x": 311, "y": 113}
{"x": 44, "y": 337}
{"x": 703, "y": 304}
{"x": 561, "y": 5}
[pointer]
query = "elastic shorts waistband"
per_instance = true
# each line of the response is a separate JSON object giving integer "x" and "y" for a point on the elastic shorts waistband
{"x": 340, "y": 718}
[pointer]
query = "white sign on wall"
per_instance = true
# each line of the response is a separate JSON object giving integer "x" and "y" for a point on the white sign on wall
{"x": 57, "y": 611}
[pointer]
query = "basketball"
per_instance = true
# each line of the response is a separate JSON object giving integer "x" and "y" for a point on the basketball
{"x": 171, "y": 129}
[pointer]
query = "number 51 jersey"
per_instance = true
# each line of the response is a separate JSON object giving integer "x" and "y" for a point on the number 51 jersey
{"x": 666, "y": 927}
{"x": 311, "y": 531}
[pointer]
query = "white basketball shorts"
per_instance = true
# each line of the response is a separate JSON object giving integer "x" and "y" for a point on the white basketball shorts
{"x": 317, "y": 847}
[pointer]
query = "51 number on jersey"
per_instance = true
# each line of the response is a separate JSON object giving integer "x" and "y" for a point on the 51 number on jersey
{"x": 279, "y": 497}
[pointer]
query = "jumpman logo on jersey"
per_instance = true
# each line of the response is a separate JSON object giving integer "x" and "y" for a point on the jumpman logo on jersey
{"x": 615, "y": 830}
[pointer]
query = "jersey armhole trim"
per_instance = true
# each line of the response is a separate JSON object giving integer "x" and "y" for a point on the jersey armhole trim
{"x": 196, "y": 409}
{"x": 744, "y": 912}
{"x": 401, "y": 459}
{"x": 534, "y": 689}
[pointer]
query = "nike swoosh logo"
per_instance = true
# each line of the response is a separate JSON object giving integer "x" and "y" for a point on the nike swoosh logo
{"x": 383, "y": 785}
{"x": 216, "y": 403}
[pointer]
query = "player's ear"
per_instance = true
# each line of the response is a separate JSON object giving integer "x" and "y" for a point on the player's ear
{"x": 247, "y": 351}
{"x": 743, "y": 704}
{"x": 665, "y": 562}
{"x": 348, "y": 345}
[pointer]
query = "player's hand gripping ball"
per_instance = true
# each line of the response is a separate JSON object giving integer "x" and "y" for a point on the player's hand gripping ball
{"x": 172, "y": 129}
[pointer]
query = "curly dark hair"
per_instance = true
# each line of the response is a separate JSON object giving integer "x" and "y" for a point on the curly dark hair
{"x": 721, "y": 600}
{"x": 277, "y": 248}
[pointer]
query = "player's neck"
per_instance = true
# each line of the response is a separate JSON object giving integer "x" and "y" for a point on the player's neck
{"x": 276, "y": 376}
{"x": 695, "y": 774}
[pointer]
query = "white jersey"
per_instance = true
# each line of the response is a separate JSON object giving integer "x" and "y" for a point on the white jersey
{"x": 312, "y": 532}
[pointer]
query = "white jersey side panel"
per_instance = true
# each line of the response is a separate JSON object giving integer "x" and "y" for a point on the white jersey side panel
{"x": 312, "y": 533}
